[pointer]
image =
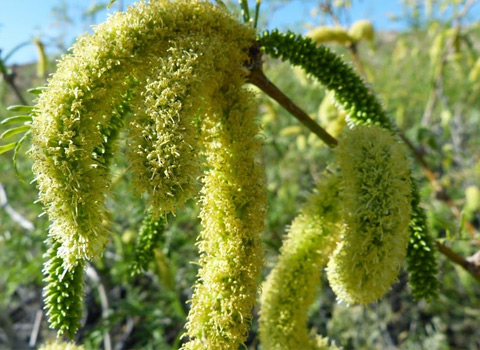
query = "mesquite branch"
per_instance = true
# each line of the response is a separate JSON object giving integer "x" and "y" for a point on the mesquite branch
{"x": 258, "y": 78}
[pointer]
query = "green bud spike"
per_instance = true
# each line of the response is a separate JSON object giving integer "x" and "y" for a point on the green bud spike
{"x": 421, "y": 262}
{"x": 63, "y": 293}
{"x": 149, "y": 235}
{"x": 351, "y": 92}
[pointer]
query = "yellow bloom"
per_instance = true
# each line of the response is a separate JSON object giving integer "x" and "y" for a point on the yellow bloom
{"x": 163, "y": 61}
{"x": 376, "y": 192}
{"x": 290, "y": 288}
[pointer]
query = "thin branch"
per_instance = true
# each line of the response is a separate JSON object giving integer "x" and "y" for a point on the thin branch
{"x": 10, "y": 80}
{"x": 102, "y": 292}
{"x": 471, "y": 265}
{"x": 258, "y": 78}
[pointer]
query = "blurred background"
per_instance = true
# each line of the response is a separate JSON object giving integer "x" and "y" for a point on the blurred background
{"x": 423, "y": 62}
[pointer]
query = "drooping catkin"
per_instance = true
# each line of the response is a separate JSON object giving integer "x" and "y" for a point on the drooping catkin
{"x": 233, "y": 210}
{"x": 90, "y": 83}
{"x": 148, "y": 238}
{"x": 376, "y": 194}
{"x": 290, "y": 287}
{"x": 165, "y": 62}
{"x": 421, "y": 263}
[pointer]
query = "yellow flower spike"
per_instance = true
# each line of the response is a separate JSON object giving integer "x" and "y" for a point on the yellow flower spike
{"x": 191, "y": 46}
{"x": 376, "y": 193}
{"x": 361, "y": 30}
{"x": 233, "y": 209}
{"x": 328, "y": 34}
{"x": 60, "y": 345}
{"x": 331, "y": 115}
{"x": 290, "y": 288}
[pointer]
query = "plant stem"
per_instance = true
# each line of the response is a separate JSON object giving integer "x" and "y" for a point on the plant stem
{"x": 469, "y": 265}
{"x": 258, "y": 78}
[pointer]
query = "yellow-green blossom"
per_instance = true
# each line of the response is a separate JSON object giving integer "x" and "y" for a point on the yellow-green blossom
{"x": 60, "y": 345}
{"x": 290, "y": 288}
{"x": 361, "y": 30}
{"x": 233, "y": 210}
{"x": 328, "y": 34}
{"x": 376, "y": 192}
{"x": 154, "y": 57}
{"x": 331, "y": 115}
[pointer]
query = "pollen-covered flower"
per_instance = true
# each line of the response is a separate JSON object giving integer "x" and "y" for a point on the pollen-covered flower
{"x": 163, "y": 60}
{"x": 60, "y": 345}
{"x": 328, "y": 34}
{"x": 361, "y": 30}
{"x": 233, "y": 211}
{"x": 376, "y": 193}
{"x": 290, "y": 288}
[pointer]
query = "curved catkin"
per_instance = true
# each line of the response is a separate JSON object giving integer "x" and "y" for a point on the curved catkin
{"x": 162, "y": 140}
{"x": 377, "y": 206}
{"x": 290, "y": 288}
{"x": 232, "y": 215}
{"x": 113, "y": 67}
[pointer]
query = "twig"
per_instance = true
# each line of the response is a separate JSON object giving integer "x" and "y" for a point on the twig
{"x": 258, "y": 78}
{"x": 36, "y": 328}
{"x": 10, "y": 80}
{"x": 93, "y": 274}
{"x": 469, "y": 264}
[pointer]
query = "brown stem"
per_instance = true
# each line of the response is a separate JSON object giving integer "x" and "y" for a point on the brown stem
{"x": 258, "y": 78}
{"x": 470, "y": 265}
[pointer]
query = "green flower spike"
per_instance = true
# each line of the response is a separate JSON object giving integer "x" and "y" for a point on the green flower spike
{"x": 376, "y": 191}
{"x": 63, "y": 293}
{"x": 233, "y": 211}
{"x": 148, "y": 239}
{"x": 421, "y": 264}
{"x": 351, "y": 92}
{"x": 290, "y": 288}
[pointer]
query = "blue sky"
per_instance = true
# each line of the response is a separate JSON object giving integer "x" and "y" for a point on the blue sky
{"x": 22, "y": 20}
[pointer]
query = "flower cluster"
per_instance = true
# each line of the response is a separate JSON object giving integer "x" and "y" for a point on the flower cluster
{"x": 172, "y": 66}
{"x": 362, "y": 108}
{"x": 291, "y": 286}
{"x": 376, "y": 196}
{"x": 233, "y": 209}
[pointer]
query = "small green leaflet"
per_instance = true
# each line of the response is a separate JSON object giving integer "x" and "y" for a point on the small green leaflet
{"x": 7, "y": 147}
{"x": 14, "y": 131}
{"x": 16, "y": 119}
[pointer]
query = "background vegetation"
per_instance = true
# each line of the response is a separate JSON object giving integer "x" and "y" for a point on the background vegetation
{"x": 428, "y": 77}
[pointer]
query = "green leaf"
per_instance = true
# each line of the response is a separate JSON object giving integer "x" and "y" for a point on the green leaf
{"x": 110, "y": 4}
{"x": 20, "y": 108}
{"x": 257, "y": 12}
{"x": 245, "y": 10}
{"x": 15, "y": 154}
{"x": 37, "y": 90}
{"x": 8, "y": 147}
{"x": 16, "y": 119}
{"x": 14, "y": 131}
